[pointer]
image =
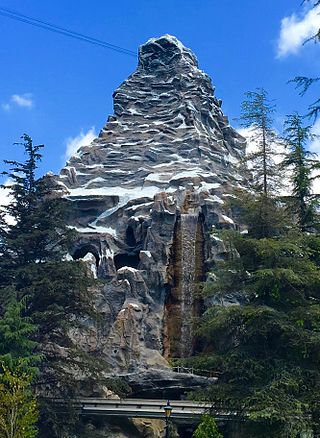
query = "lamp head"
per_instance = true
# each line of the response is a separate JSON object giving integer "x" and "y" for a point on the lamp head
{"x": 167, "y": 409}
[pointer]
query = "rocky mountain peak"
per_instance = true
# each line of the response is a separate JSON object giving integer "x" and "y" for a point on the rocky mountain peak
{"x": 165, "y": 52}
{"x": 167, "y": 130}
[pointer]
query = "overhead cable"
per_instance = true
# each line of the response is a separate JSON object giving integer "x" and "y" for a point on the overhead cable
{"x": 63, "y": 31}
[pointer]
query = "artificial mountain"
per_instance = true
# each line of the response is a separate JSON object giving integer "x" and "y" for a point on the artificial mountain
{"x": 146, "y": 196}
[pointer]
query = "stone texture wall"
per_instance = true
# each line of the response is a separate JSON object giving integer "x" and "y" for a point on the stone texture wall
{"x": 145, "y": 197}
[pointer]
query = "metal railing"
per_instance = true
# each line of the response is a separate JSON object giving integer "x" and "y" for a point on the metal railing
{"x": 195, "y": 371}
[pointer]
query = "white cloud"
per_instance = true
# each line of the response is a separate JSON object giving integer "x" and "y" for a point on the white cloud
{"x": 82, "y": 139}
{"x": 294, "y": 31}
{"x": 24, "y": 100}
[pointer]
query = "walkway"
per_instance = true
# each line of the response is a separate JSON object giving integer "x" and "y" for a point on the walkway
{"x": 181, "y": 409}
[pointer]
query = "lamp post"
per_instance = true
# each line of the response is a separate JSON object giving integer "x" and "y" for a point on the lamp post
{"x": 167, "y": 412}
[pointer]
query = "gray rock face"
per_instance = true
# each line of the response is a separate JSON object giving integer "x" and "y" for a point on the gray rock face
{"x": 145, "y": 196}
{"x": 167, "y": 130}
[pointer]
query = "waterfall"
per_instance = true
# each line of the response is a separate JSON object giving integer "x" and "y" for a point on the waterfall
{"x": 188, "y": 232}
{"x": 185, "y": 271}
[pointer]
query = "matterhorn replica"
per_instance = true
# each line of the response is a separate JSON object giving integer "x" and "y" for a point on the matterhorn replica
{"x": 146, "y": 197}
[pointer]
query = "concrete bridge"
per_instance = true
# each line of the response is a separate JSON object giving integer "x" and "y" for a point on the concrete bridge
{"x": 181, "y": 409}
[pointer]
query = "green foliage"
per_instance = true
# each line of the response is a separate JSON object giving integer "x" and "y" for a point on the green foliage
{"x": 268, "y": 362}
{"x": 207, "y": 428}
{"x": 18, "y": 408}
{"x": 263, "y": 215}
{"x": 280, "y": 272}
{"x": 302, "y": 164}
{"x": 38, "y": 233}
{"x": 257, "y": 115}
{"x": 3, "y": 225}
{"x": 16, "y": 344}
{"x": 266, "y": 350}
{"x": 257, "y": 110}
{"x": 56, "y": 293}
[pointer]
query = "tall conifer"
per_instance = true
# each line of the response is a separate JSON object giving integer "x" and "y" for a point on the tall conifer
{"x": 257, "y": 115}
{"x": 302, "y": 164}
{"x": 56, "y": 291}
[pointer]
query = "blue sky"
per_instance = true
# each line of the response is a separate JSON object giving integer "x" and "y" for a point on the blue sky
{"x": 58, "y": 89}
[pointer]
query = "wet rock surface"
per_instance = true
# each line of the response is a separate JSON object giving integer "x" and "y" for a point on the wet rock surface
{"x": 145, "y": 196}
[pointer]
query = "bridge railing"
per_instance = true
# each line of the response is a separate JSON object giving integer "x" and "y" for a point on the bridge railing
{"x": 195, "y": 371}
{"x": 149, "y": 408}
{"x": 152, "y": 408}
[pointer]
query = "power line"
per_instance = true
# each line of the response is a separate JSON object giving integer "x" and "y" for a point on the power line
{"x": 63, "y": 31}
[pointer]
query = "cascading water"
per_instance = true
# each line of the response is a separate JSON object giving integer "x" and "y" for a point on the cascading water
{"x": 185, "y": 271}
{"x": 188, "y": 232}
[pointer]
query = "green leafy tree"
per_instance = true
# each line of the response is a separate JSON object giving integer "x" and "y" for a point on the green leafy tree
{"x": 302, "y": 164}
{"x": 257, "y": 115}
{"x": 18, "y": 407}
{"x": 207, "y": 428}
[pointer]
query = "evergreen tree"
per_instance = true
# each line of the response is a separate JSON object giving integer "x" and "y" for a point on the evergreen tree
{"x": 257, "y": 115}
{"x": 279, "y": 272}
{"x": 268, "y": 364}
{"x": 266, "y": 350}
{"x": 38, "y": 233}
{"x": 3, "y": 226}
{"x": 263, "y": 214}
{"x": 16, "y": 344}
{"x": 304, "y": 83}
{"x": 56, "y": 292}
{"x": 302, "y": 164}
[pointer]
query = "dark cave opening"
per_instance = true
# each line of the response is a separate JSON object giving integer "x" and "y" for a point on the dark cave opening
{"x": 81, "y": 252}
{"x": 130, "y": 239}
{"x": 132, "y": 260}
